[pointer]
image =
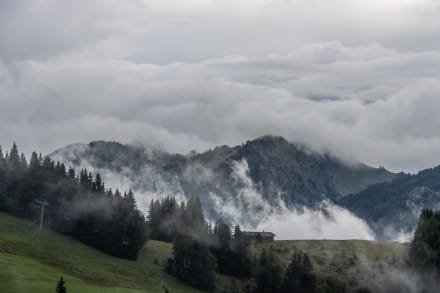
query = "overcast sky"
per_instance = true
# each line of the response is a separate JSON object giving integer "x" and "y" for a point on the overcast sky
{"x": 359, "y": 78}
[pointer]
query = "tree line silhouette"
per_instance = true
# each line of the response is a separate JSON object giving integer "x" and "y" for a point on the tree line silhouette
{"x": 201, "y": 250}
{"x": 79, "y": 204}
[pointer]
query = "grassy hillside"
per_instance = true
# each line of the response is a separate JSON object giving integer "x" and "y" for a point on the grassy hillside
{"x": 355, "y": 262}
{"x": 33, "y": 259}
{"x": 24, "y": 274}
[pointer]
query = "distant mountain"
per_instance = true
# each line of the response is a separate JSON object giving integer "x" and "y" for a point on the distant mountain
{"x": 393, "y": 208}
{"x": 265, "y": 170}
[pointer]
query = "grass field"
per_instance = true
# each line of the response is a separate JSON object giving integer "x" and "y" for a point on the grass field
{"x": 355, "y": 262}
{"x": 33, "y": 259}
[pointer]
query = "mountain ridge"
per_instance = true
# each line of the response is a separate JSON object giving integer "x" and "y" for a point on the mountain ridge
{"x": 395, "y": 206}
{"x": 250, "y": 179}
{"x": 258, "y": 153}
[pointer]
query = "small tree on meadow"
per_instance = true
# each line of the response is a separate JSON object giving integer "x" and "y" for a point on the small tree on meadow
{"x": 61, "y": 288}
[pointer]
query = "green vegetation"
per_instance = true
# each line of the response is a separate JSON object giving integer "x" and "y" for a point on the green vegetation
{"x": 23, "y": 274}
{"x": 357, "y": 178}
{"x": 425, "y": 247}
{"x": 30, "y": 259}
{"x": 269, "y": 272}
{"x": 199, "y": 250}
{"x": 391, "y": 204}
{"x": 79, "y": 206}
{"x": 351, "y": 263}
{"x": 33, "y": 259}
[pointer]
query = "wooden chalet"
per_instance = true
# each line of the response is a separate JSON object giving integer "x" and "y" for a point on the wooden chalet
{"x": 262, "y": 237}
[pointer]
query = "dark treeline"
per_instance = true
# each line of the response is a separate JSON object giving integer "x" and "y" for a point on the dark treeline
{"x": 425, "y": 247}
{"x": 79, "y": 204}
{"x": 297, "y": 277}
{"x": 200, "y": 250}
{"x": 424, "y": 252}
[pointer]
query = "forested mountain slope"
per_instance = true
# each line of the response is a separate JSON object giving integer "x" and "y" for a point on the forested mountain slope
{"x": 394, "y": 207}
{"x": 274, "y": 167}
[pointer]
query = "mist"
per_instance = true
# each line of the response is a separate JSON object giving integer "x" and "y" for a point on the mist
{"x": 245, "y": 206}
{"x": 253, "y": 212}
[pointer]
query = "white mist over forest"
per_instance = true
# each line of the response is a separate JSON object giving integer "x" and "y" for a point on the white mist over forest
{"x": 247, "y": 207}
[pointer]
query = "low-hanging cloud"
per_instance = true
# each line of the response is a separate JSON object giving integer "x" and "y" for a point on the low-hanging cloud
{"x": 241, "y": 203}
{"x": 253, "y": 212}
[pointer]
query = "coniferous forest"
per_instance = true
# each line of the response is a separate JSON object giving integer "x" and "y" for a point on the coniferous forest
{"x": 201, "y": 250}
{"x": 77, "y": 204}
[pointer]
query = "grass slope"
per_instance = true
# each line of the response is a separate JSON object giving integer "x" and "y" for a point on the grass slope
{"x": 23, "y": 274}
{"x": 33, "y": 259}
{"x": 355, "y": 262}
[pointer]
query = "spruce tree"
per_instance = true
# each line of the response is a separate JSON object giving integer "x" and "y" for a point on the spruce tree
{"x": 47, "y": 164}
{"x": 14, "y": 157}
{"x": 299, "y": 276}
{"x": 71, "y": 172}
{"x": 61, "y": 288}
{"x": 222, "y": 233}
{"x": 23, "y": 161}
{"x": 2, "y": 159}
{"x": 193, "y": 263}
{"x": 237, "y": 232}
{"x": 131, "y": 200}
{"x": 99, "y": 187}
{"x": 269, "y": 272}
{"x": 34, "y": 162}
{"x": 424, "y": 252}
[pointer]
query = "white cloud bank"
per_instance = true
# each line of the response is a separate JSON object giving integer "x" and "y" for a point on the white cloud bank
{"x": 358, "y": 78}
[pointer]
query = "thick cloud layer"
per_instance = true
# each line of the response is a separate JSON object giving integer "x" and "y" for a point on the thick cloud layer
{"x": 357, "y": 78}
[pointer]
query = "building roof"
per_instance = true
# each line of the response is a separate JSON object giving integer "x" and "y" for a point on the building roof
{"x": 262, "y": 234}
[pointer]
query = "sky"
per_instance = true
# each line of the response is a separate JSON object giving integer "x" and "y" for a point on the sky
{"x": 359, "y": 78}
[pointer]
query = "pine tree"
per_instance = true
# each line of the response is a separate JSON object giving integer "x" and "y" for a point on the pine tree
{"x": 23, "y": 161}
{"x": 131, "y": 200}
{"x": 194, "y": 217}
{"x": 2, "y": 158}
{"x": 47, "y": 164}
{"x": 299, "y": 276}
{"x": 269, "y": 272}
{"x": 237, "y": 232}
{"x": 193, "y": 263}
{"x": 61, "y": 288}
{"x": 110, "y": 193}
{"x": 71, "y": 172}
{"x": 222, "y": 233}
{"x": 425, "y": 248}
{"x": 99, "y": 186}
{"x": 34, "y": 162}
{"x": 89, "y": 180}
{"x": 14, "y": 157}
